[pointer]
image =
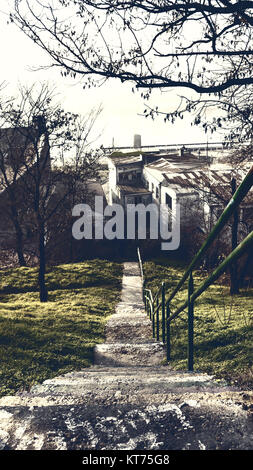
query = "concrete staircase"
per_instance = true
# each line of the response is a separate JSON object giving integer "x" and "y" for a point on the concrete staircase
{"x": 128, "y": 400}
{"x": 129, "y": 332}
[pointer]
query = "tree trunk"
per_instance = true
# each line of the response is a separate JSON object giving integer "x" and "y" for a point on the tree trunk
{"x": 42, "y": 266}
{"x": 234, "y": 282}
{"x": 245, "y": 269}
{"x": 19, "y": 236}
{"x": 19, "y": 247}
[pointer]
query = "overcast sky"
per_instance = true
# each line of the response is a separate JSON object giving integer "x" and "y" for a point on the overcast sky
{"x": 120, "y": 119}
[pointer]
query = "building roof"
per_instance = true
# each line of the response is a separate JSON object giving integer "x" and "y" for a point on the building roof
{"x": 133, "y": 189}
{"x": 205, "y": 152}
{"x": 201, "y": 177}
{"x": 187, "y": 169}
{"x": 119, "y": 160}
{"x": 174, "y": 162}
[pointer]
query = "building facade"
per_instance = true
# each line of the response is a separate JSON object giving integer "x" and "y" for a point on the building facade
{"x": 196, "y": 178}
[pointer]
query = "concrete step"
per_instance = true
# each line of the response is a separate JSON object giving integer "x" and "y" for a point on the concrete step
{"x": 128, "y": 328}
{"x": 124, "y": 381}
{"x": 125, "y": 409}
{"x": 127, "y": 354}
{"x": 125, "y": 308}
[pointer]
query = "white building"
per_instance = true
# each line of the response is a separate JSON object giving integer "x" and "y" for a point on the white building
{"x": 126, "y": 180}
{"x": 198, "y": 177}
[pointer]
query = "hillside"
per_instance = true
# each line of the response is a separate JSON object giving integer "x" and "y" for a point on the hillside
{"x": 42, "y": 340}
{"x": 223, "y": 325}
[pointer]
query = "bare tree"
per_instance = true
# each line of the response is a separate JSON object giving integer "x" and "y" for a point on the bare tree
{"x": 202, "y": 47}
{"x": 12, "y": 144}
{"x": 50, "y": 135}
{"x": 154, "y": 30}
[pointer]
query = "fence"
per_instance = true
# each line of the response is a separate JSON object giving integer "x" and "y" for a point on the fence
{"x": 154, "y": 303}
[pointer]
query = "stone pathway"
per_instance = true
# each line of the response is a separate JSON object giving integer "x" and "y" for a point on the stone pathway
{"x": 128, "y": 400}
{"x": 129, "y": 330}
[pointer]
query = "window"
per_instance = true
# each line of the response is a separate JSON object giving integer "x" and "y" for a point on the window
{"x": 137, "y": 199}
{"x": 157, "y": 192}
{"x": 168, "y": 200}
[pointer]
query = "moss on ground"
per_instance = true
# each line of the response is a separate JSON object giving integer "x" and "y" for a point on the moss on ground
{"x": 42, "y": 340}
{"x": 223, "y": 325}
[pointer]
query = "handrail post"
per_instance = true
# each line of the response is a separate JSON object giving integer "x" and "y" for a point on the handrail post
{"x": 168, "y": 330}
{"x": 163, "y": 312}
{"x": 148, "y": 306}
{"x": 153, "y": 318}
{"x": 190, "y": 323}
{"x": 157, "y": 318}
{"x": 144, "y": 295}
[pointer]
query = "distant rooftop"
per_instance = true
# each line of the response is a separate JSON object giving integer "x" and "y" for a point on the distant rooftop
{"x": 187, "y": 174}
{"x": 133, "y": 189}
{"x": 158, "y": 147}
{"x": 174, "y": 162}
{"x": 178, "y": 155}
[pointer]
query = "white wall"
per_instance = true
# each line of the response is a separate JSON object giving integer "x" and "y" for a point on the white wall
{"x": 152, "y": 179}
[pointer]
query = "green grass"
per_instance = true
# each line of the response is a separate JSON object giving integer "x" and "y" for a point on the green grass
{"x": 223, "y": 325}
{"x": 42, "y": 340}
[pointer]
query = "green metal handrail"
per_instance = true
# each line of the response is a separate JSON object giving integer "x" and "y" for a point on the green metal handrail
{"x": 235, "y": 254}
{"x": 164, "y": 304}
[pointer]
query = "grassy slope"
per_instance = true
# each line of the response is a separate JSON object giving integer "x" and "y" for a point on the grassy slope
{"x": 39, "y": 341}
{"x": 223, "y": 326}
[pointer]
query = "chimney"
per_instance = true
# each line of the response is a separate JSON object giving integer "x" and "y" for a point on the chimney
{"x": 137, "y": 141}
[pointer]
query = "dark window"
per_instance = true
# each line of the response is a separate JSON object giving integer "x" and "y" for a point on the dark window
{"x": 137, "y": 199}
{"x": 168, "y": 201}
